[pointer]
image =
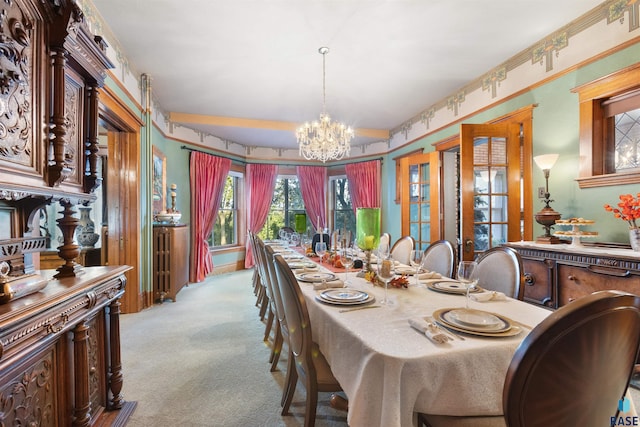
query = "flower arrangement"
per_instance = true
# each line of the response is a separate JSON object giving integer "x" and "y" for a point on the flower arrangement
{"x": 629, "y": 209}
{"x": 398, "y": 282}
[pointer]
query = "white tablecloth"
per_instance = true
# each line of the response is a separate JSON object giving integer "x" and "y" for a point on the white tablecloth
{"x": 389, "y": 370}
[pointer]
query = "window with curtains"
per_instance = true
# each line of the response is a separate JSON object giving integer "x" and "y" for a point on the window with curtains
{"x": 343, "y": 215}
{"x": 225, "y": 229}
{"x": 285, "y": 204}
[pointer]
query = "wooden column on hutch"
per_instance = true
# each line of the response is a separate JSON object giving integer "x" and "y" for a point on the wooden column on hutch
{"x": 170, "y": 260}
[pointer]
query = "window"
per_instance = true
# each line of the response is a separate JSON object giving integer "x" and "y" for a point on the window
{"x": 610, "y": 129}
{"x": 225, "y": 229}
{"x": 285, "y": 204}
{"x": 343, "y": 216}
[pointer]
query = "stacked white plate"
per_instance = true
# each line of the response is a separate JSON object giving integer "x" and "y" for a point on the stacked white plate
{"x": 344, "y": 296}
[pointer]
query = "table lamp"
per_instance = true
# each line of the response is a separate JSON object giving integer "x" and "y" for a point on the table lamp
{"x": 547, "y": 216}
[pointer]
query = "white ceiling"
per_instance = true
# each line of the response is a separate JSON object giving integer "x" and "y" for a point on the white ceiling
{"x": 258, "y": 59}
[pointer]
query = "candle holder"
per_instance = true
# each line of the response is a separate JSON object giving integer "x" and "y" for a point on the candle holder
{"x": 367, "y": 233}
{"x": 171, "y": 215}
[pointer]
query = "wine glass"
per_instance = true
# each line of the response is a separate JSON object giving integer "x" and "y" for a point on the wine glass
{"x": 468, "y": 275}
{"x": 386, "y": 272}
{"x": 347, "y": 260}
{"x": 416, "y": 261}
{"x": 321, "y": 249}
{"x": 383, "y": 251}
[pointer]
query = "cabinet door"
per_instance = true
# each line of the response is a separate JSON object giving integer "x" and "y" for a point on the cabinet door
{"x": 577, "y": 281}
{"x": 538, "y": 280}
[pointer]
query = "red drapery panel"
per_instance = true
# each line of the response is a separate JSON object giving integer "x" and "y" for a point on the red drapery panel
{"x": 364, "y": 184}
{"x": 312, "y": 186}
{"x": 261, "y": 180}
{"x": 208, "y": 175}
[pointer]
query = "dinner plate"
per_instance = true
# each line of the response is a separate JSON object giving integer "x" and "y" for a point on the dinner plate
{"x": 511, "y": 332}
{"x": 295, "y": 265}
{"x": 344, "y": 295}
{"x": 476, "y": 319}
{"x": 408, "y": 271}
{"x": 293, "y": 256}
{"x": 314, "y": 277}
{"x": 370, "y": 299}
{"x": 451, "y": 287}
{"x": 504, "y": 326}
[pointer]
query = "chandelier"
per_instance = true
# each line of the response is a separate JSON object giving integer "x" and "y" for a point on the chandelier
{"x": 322, "y": 139}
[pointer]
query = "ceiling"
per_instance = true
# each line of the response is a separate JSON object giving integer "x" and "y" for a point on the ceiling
{"x": 249, "y": 71}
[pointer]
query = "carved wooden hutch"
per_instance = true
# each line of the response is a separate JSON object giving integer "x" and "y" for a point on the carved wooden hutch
{"x": 59, "y": 329}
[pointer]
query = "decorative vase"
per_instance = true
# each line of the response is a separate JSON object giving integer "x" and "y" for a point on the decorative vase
{"x": 367, "y": 231}
{"x": 634, "y": 239}
{"x": 85, "y": 232}
{"x": 301, "y": 222}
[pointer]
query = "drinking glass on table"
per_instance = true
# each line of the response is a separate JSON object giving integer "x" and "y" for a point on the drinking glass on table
{"x": 468, "y": 275}
{"x": 416, "y": 261}
{"x": 347, "y": 258}
{"x": 383, "y": 251}
{"x": 386, "y": 272}
{"x": 321, "y": 249}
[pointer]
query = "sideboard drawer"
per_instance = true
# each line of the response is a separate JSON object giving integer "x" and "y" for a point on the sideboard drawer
{"x": 575, "y": 282}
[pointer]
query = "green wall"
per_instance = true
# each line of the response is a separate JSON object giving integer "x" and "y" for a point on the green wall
{"x": 555, "y": 130}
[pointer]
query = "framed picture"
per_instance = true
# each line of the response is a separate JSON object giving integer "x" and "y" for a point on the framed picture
{"x": 159, "y": 181}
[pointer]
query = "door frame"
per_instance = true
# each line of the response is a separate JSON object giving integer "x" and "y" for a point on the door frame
{"x": 123, "y": 193}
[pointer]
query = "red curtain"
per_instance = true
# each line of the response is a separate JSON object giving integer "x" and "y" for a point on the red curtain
{"x": 312, "y": 186}
{"x": 261, "y": 180}
{"x": 364, "y": 184}
{"x": 208, "y": 175}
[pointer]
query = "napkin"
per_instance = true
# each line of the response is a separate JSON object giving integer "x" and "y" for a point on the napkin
{"x": 430, "y": 330}
{"x": 318, "y": 286}
{"x": 488, "y": 296}
{"x": 429, "y": 275}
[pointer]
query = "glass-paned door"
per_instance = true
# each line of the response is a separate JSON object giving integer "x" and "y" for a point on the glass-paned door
{"x": 489, "y": 186}
{"x": 420, "y": 198}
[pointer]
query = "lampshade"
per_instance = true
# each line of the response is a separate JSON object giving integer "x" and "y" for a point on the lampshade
{"x": 546, "y": 161}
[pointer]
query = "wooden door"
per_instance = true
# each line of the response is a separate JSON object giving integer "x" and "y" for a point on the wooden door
{"x": 489, "y": 186}
{"x": 420, "y": 198}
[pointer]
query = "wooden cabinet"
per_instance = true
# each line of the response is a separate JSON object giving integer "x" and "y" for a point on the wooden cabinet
{"x": 170, "y": 260}
{"x": 60, "y": 353}
{"x": 558, "y": 274}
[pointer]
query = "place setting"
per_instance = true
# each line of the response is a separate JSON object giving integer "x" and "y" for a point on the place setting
{"x": 345, "y": 297}
{"x": 476, "y": 322}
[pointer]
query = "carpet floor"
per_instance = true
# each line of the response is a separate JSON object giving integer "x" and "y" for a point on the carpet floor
{"x": 201, "y": 361}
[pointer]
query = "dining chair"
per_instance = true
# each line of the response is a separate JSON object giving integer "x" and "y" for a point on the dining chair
{"x": 281, "y": 332}
{"x": 401, "y": 249}
{"x": 262, "y": 300}
{"x": 385, "y": 238}
{"x": 268, "y": 285}
{"x": 306, "y": 361}
{"x": 572, "y": 369}
{"x": 500, "y": 269}
{"x": 439, "y": 257}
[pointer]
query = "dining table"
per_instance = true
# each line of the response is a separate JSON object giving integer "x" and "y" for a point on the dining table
{"x": 390, "y": 371}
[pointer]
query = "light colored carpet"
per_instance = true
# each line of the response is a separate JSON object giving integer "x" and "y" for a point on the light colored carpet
{"x": 201, "y": 361}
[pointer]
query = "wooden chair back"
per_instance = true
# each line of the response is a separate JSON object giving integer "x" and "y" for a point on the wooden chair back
{"x": 575, "y": 366}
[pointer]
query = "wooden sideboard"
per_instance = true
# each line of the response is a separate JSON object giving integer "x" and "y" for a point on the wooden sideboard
{"x": 558, "y": 274}
{"x": 60, "y": 353}
{"x": 170, "y": 260}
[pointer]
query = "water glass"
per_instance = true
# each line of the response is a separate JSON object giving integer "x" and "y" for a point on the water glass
{"x": 468, "y": 275}
{"x": 416, "y": 262}
{"x": 321, "y": 249}
{"x": 386, "y": 272}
